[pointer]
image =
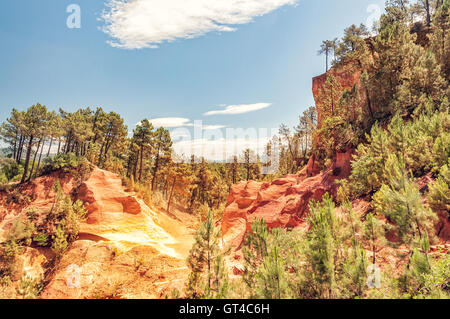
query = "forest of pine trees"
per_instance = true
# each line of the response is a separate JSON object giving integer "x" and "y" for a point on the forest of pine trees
{"x": 37, "y": 138}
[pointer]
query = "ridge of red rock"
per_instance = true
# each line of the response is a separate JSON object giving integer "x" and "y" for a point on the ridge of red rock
{"x": 103, "y": 193}
{"x": 281, "y": 203}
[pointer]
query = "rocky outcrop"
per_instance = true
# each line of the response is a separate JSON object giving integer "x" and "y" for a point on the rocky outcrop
{"x": 103, "y": 194}
{"x": 347, "y": 78}
{"x": 95, "y": 270}
{"x": 124, "y": 249}
{"x": 281, "y": 203}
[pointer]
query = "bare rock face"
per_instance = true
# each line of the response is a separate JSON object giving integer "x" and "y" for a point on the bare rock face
{"x": 95, "y": 270}
{"x": 103, "y": 194}
{"x": 346, "y": 78}
{"x": 281, "y": 203}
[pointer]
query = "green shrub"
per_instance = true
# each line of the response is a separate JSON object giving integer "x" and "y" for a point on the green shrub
{"x": 439, "y": 194}
{"x": 21, "y": 231}
{"x": 12, "y": 172}
{"x": 400, "y": 201}
{"x": 8, "y": 254}
{"x": 60, "y": 242}
{"x": 29, "y": 288}
{"x": 68, "y": 163}
{"x": 422, "y": 143}
{"x": 41, "y": 240}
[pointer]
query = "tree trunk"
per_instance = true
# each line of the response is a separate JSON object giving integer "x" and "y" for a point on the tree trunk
{"x": 39, "y": 162}
{"x": 142, "y": 158}
{"x": 34, "y": 159}
{"x": 20, "y": 150}
{"x": 27, "y": 159}
{"x": 427, "y": 8}
{"x": 135, "y": 165}
{"x": 15, "y": 148}
{"x": 101, "y": 154}
{"x": 171, "y": 194}
{"x": 155, "y": 171}
{"x": 50, "y": 147}
{"x": 369, "y": 103}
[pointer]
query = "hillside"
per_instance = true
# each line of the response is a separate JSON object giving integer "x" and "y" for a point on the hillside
{"x": 124, "y": 249}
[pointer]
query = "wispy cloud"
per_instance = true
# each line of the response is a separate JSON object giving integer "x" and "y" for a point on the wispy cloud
{"x": 172, "y": 122}
{"x": 141, "y": 24}
{"x": 169, "y": 122}
{"x": 211, "y": 127}
{"x": 239, "y": 109}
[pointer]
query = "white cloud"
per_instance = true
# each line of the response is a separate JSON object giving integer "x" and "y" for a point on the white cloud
{"x": 220, "y": 149}
{"x": 169, "y": 122}
{"x": 172, "y": 122}
{"x": 210, "y": 127}
{"x": 137, "y": 24}
{"x": 239, "y": 109}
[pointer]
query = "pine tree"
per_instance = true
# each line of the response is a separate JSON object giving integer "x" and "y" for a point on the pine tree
{"x": 60, "y": 243}
{"x": 208, "y": 277}
{"x": 33, "y": 124}
{"x": 326, "y": 48}
{"x": 440, "y": 37}
{"x": 180, "y": 181}
{"x": 439, "y": 191}
{"x": 163, "y": 144}
{"x": 143, "y": 136}
{"x": 373, "y": 233}
{"x": 401, "y": 202}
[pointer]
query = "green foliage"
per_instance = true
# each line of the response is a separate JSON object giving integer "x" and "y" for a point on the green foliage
{"x": 439, "y": 194}
{"x": 64, "y": 215}
{"x": 266, "y": 262}
{"x": 208, "y": 277}
{"x": 12, "y": 172}
{"x": 21, "y": 232}
{"x": 68, "y": 163}
{"x": 436, "y": 281}
{"x": 420, "y": 143}
{"x": 8, "y": 254}
{"x": 374, "y": 234}
{"x": 29, "y": 288}
{"x": 41, "y": 240}
{"x": 334, "y": 260}
{"x": 79, "y": 210}
{"x": 60, "y": 242}
{"x": 425, "y": 277}
{"x": 401, "y": 202}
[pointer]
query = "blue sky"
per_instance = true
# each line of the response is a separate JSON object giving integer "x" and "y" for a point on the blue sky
{"x": 271, "y": 59}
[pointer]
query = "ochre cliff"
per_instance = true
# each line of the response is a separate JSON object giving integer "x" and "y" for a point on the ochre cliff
{"x": 285, "y": 202}
{"x": 281, "y": 203}
{"x": 124, "y": 250}
{"x": 347, "y": 79}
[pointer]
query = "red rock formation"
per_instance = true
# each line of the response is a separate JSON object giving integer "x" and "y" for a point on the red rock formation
{"x": 282, "y": 203}
{"x": 103, "y": 193}
{"x": 347, "y": 79}
{"x": 285, "y": 201}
